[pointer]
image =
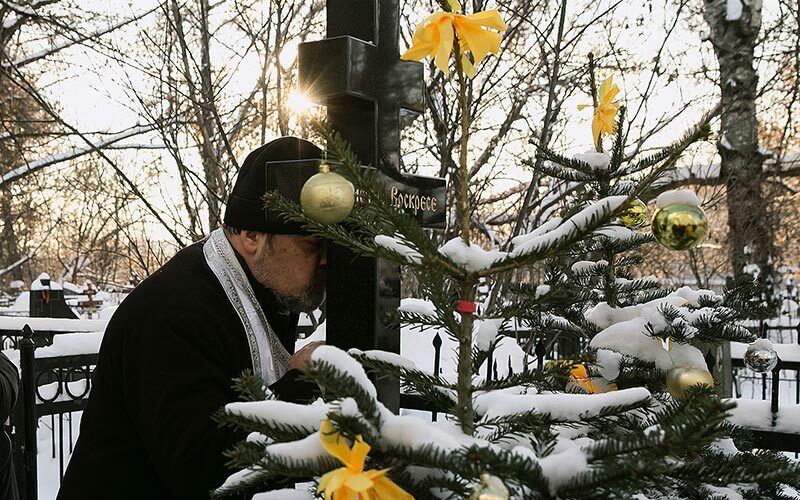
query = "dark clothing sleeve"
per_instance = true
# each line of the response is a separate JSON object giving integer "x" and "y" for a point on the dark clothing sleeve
{"x": 172, "y": 397}
{"x": 9, "y": 386}
{"x": 166, "y": 366}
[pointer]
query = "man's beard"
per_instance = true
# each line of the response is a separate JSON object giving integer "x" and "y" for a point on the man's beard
{"x": 311, "y": 298}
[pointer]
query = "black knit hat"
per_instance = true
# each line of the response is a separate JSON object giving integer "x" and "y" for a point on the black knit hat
{"x": 283, "y": 165}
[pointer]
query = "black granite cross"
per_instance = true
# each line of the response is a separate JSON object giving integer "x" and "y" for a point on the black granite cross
{"x": 357, "y": 73}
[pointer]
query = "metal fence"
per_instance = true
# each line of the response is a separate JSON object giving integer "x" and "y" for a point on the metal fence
{"x": 787, "y": 373}
{"x": 50, "y": 386}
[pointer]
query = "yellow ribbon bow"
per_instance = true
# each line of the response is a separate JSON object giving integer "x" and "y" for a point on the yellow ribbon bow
{"x": 351, "y": 482}
{"x": 580, "y": 377}
{"x": 435, "y": 37}
{"x": 606, "y": 111}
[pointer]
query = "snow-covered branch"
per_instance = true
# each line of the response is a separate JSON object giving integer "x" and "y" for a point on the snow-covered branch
{"x": 36, "y": 165}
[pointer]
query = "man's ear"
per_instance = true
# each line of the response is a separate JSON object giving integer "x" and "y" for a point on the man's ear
{"x": 250, "y": 241}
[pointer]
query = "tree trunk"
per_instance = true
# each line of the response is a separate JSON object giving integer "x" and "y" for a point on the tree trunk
{"x": 10, "y": 251}
{"x": 734, "y": 39}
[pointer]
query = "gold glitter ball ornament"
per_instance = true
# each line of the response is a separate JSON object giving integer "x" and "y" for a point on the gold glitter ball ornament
{"x": 491, "y": 488}
{"x": 679, "y": 226}
{"x": 635, "y": 215}
{"x": 327, "y": 197}
{"x": 681, "y": 378}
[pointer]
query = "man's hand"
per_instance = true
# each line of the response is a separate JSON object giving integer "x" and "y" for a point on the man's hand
{"x": 302, "y": 357}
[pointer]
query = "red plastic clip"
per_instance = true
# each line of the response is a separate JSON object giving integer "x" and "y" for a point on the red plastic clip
{"x": 467, "y": 307}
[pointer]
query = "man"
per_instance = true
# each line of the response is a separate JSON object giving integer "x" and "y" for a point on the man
{"x": 9, "y": 387}
{"x": 220, "y": 306}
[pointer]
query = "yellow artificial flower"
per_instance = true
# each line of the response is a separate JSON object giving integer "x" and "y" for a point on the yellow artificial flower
{"x": 351, "y": 482}
{"x": 580, "y": 377}
{"x": 606, "y": 111}
{"x": 435, "y": 37}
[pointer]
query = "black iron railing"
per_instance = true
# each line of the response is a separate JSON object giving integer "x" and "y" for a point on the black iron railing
{"x": 67, "y": 380}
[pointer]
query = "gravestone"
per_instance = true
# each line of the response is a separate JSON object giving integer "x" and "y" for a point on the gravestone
{"x": 47, "y": 299}
{"x": 369, "y": 94}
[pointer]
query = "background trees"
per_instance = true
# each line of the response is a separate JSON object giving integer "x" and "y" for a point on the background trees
{"x": 137, "y": 116}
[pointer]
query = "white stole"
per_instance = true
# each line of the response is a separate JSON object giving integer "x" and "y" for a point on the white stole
{"x": 268, "y": 355}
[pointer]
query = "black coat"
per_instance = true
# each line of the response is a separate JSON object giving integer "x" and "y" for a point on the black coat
{"x": 9, "y": 386}
{"x": 165, "y": 366}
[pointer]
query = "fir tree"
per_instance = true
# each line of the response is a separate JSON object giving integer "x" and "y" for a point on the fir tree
{"x": 596, "y": 424}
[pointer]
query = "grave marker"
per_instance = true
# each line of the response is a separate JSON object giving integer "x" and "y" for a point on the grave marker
{"x": 370, "y": 94}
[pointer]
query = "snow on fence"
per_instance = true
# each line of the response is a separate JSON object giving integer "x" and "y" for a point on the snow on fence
{"x": 56, "y": 369}
{"x": 774, "y": 420}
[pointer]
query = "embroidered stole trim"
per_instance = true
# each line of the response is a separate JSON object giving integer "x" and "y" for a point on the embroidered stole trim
{"x": 267, "y": 354}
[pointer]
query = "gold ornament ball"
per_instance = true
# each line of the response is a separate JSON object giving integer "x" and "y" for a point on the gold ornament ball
{"x": 679, "y": 226}
{"x": 681, "y": 378}
{"x": 491, "y": 488}
{"x": 327, "y": 197}
{"x": 635, "y": 215}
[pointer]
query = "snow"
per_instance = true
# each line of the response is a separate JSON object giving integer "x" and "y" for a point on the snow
{"x": 733, "y": 10}
{"x": 10, "y": 20}
{"x": 284, "y": 494}
{"x": 625, "y": 330}
{"x": 38, "y": 285}
{"x": 397, "y": 245}
{"x": 66, "y": 344}
{"x": 417, "y": 306}
{"x": 544, "y": 228}
{"x": 386, "y": 357}
{"x": 561, "y": 468}
{"x": 239, "y": 477}
{"x": 686, "y": 355}
{"x": 724, "y": 446}
{"x": 349, "y": 408}
{"x": 587, "y": 266}
{"x": 787, "y": 352}
{"x": 281, "y": 412}
{"x": 344, "y": 362}
{"x": 471, "y": 257}
{"x": 38, "y": 164}
{"x": 541, "y": 291}
{"x": 608, "y": 363}
{"x": 418, "y": 346}
{"x": 617, "y": 233}
{"x": 629, "y": 337}
{"x": 598, "y": 161}
{"x": 692, "y": 296}
{"x": 724, "y": 491}
{"x": 52, "y": 324}
{"x": 106, "y": 313}
{"x": 756, "y": 414}
{"x": 603, "y": 315}
{"x": 578, "y": 222}
{"x": 762, "y": 344}
{"x": 416, "y": 434}
{"x": 561, "y": 407}
{"x": 308, "y": 448}
{"x": 682, "y": 196}
{"x": 485, "y": 333}
{"x": 723, "y": 141}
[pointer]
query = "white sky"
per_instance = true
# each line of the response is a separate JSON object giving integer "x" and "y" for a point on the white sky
{"x": 91, "y": 90}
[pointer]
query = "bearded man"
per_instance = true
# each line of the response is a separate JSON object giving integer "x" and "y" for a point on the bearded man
{"x": 220, "y": 306}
